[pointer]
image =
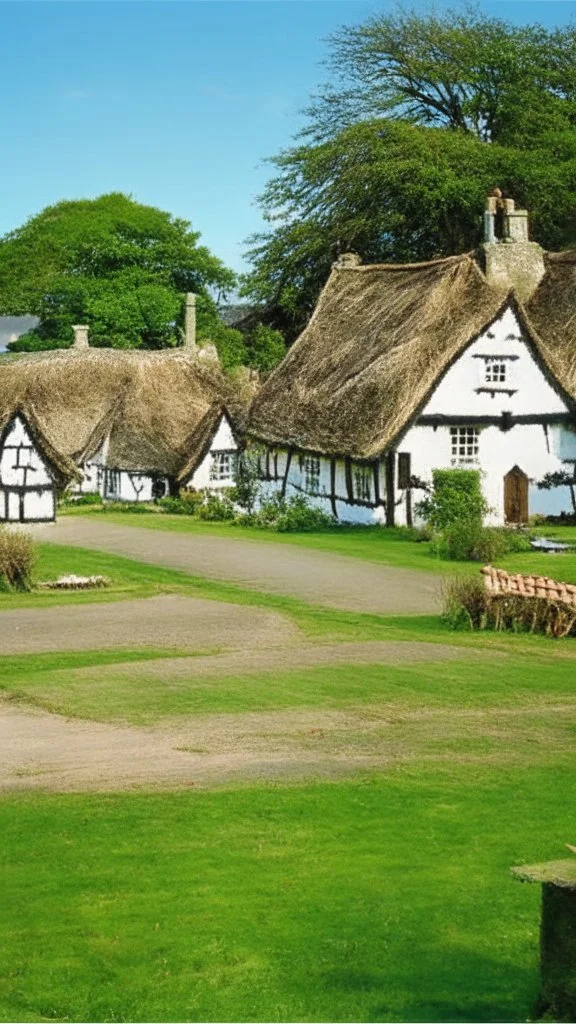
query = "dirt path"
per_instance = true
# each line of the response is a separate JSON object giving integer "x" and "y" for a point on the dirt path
{"x": 42, "y": 751}
{"x": 283, "y": 659}
{"x": 166, "y": 621}
{"x": 322, "y": 578}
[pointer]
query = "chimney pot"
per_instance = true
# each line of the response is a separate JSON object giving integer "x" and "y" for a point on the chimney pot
{"x": 80, "y": 336}
{"x": 190, "y": 323}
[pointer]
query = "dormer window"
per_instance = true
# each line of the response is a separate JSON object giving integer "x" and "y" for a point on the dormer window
{"x": 495, "y": 371}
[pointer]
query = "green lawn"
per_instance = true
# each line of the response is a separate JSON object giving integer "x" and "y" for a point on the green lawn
{"x": 94, "y": 686}
{"x": 376, "y": 544}
{"x": 385, "y": 899}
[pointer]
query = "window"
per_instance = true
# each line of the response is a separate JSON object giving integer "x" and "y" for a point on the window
{"x": 495, "y": 371}
{"x": 464, "y": 442}
{"x": 222, "y": 467}
{"x": 404, "y": 470}
{"x": 111, "y": 483}
{"x": 311, "y": 467}
{"x": 362, "y": 483}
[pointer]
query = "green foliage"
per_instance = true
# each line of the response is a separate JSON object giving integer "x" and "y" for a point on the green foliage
{"x": 464, "y": 602}
{"x": 248, "y": 482}
{"x": 265, "y": 348}
{"x": 469, "y": 541}
{"x": 425, "y": 114}
{"x": 187, "y": 503}
{"x": 289, "y": 515}
{"x": 120, "y": 267}
{"x": 216, "y": 508}
{"x": 456, "y": 498}
{"x": 88, "y": 498}
{"x": 17, "y": 560}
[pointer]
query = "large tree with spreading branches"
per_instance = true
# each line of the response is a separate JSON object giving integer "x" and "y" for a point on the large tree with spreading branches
{"x": 424, "y": 114}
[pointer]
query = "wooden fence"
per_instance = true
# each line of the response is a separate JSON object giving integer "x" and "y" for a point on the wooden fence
{"x": 499, "y": 582}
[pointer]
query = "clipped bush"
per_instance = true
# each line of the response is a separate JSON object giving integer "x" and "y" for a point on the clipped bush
{"x": 456, "y": 498}
{"x": 17, "y": 560}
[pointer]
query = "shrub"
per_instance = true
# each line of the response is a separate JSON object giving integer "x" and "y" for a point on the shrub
{"x": 17, "y": 560}
{"x": 128, "y": 506}
{"x": 248, "y": 484}
{"x": 465, "y": 602}
{"x": 457, "y": 497}
{"x": 186, "y": 504}
{"x": 216, "y": 508}
{"x": 89, "y": 498}
{"x": 299, "y": 515}
{"x": 472, "y": 542}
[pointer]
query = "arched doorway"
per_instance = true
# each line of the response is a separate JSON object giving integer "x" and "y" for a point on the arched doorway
{"x": 516, "y": 496}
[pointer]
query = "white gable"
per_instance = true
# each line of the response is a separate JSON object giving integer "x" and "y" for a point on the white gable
{"x": 223, "y": 440}
{"x": 21, "y": 464}
{"x": 497, "y": 373}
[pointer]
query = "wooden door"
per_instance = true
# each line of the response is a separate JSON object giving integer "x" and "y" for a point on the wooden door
{"x": 516, "y": 496}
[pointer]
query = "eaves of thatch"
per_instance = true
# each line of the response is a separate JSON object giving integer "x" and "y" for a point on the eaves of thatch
{"x": 145, "y": 404}
{"x": 383, "y": 336}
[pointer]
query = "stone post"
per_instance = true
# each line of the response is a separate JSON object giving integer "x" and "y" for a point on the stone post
{"x": 557, "y": 999}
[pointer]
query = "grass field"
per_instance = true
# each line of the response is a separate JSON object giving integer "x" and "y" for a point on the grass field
{"x": 384, "y": 896}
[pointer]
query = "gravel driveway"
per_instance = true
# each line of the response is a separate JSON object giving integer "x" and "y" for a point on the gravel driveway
{"x": 336, "y": 581}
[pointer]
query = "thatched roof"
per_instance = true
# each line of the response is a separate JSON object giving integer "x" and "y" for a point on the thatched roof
{"x": 148, "y": 403}
{"x": 381, "y": 338}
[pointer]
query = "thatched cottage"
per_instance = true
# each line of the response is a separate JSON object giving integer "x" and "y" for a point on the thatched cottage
{"x": 130, "y": 424}
{"x": 462, "y": 362}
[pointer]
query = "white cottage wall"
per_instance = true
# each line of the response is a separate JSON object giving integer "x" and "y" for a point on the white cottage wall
{"x": 211, "y": 474}
{"x": 525, "y": 391}
{"x": 27, "y": 491}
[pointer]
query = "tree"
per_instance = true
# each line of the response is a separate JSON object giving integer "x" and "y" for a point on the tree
{"x": 460, "y": 69}
{"x": 561, "y": 478}
{"x": 425, "y": 116}
{"x": 119, "y": 266}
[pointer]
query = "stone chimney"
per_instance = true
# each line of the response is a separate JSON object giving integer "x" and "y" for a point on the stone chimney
{"x": 80, "y": 336}
{"x": 190, "y": 323}
{"x": 346, "y": 260}
{"x": 511, "y": 259}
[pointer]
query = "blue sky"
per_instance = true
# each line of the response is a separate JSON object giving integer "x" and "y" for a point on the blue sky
{"x": 177, "y": 103}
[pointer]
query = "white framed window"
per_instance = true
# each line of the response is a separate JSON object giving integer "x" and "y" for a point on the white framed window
{"x": 362, "y": 479}
{"x": 465, "y": 443}
{"x": 223, "y": 465}
{"x": 495, "y": 371}
{"x": 311, "y": 470}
